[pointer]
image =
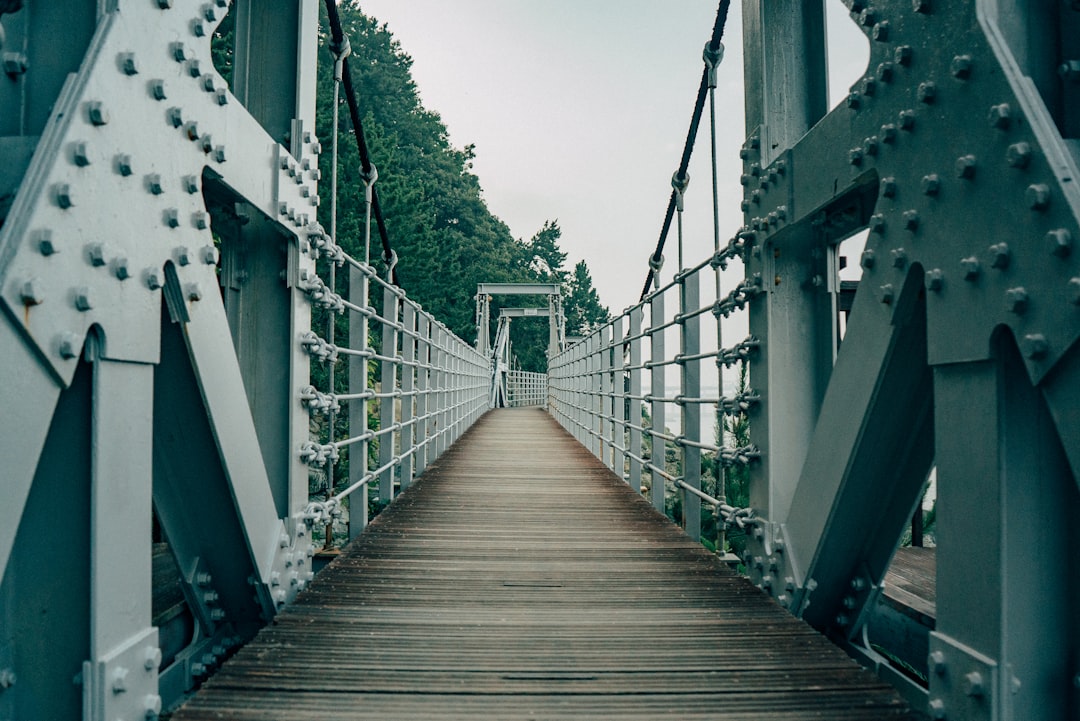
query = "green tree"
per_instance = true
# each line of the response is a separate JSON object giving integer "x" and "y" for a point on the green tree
{"x": 582, "y": 305}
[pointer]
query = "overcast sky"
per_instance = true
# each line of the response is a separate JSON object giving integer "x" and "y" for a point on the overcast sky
{"x": 579, "y": 109}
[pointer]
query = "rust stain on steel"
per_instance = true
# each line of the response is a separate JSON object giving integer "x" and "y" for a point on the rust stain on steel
{"x": 521, "y": 579}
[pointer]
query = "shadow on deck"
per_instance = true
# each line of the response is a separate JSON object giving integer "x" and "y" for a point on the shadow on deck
{"x": 521, "y": 579}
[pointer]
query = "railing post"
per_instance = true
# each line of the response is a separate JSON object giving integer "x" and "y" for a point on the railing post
{"x": 605, "y": 426}
{"x": 408, "y": 388}
{"x": 656, "y": 389}
{"x": 596, "y": 400}
{"x": 423, "y": 391}
{"x": 438, "y": 361}
{"x": 358, "y": 384}
{"x": 577, "y": 381}
{"x": 635, "y": 397}
{"x": 690, "y": 372}
{"x": 388, "y": 376}
{"x": 618, "y": 400}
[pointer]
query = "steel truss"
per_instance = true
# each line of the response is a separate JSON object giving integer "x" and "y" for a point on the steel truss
{"x": 959, "y": 151}
{"x": 131, "y": 352}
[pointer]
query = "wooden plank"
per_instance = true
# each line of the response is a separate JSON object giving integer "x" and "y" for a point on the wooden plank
{"x": 911, "y": 583}
{"x": 521, "y": 579}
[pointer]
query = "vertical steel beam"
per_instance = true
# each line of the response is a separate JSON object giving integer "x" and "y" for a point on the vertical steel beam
{"x": 388, "y": 404}
{"x": 635, "y": 396}
{"x": 358, "y": 384}
{"x": 409, "y": 372}
{"x": 656, "y": 389}
{"x": 690, "y": 372}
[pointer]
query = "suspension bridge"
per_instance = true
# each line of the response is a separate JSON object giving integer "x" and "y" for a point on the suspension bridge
{"x": 160, "y": 261}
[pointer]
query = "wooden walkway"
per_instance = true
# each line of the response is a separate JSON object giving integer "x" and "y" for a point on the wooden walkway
{"x": 520, "y": 579}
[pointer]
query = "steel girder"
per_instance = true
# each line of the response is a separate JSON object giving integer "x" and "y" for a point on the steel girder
{"x": 959, "y": 150}
{"x": 137, "y": 373}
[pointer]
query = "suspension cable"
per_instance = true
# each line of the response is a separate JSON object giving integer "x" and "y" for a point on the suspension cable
{"x": 337, "y": 44}
{"x": 688, "y": 148}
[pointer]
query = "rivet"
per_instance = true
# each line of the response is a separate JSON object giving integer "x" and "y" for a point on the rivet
{"x": 80, "y": 155}
{"x": 867, "y": 259}
{"x": 171, "y": 217}
{"x": 198, "y": 219}
{"x": 1037, "y": 196}
{"x": 936, "y": 663}
{"x": 1000, "y": 256}
{"x": 157, "y": 89}
{"x": 756, "y": 196}
{"x": 870, "y": 146}
{"x": 921, "y": 6}
{"x": 884, "y": 72}
{"x": 120, "y": 268}
{"x": 222, "y": 96}
{"x": 179, "y": 52}
{"x": 152, "y": 276}
{"x": 1060, "y": 242}
{"x": 95, "y": 254}
{"x": 98, "y": 114}
{"x": 927, "y": 93}
{"x": 961, "y": 67}
{"x": 123, "y": 164}
{"x": 935, "y": 279}
{"x": 877, "y": 223}
{"x": 182, "y": 255}
{"x": 755, "y": 170}
{"x": 315, "y": 200}
{"x": 903, "y": 55}
{"x": 931, "y": 184}
{"x": 62, "y": 193}
{"x": 153, "y": 184}
{"x": 899, "y": 257}
{"x": 194, "y": 69}
{"x": 1000, "y": 116}
{"x": 1018, "y": 155}
{"x": 854, "y": 100}
{"x": 305, "y": 192}
{"x": 193, "y": 291}
{"x": 209, "y": 254}
{"x": 907, "y": 120}
{"x": 198, "y": 29}
{"x": 206, "y": 143}
{"x": 209, "y": 12}
{"x": 888, "y": 187}
{"x": 1074, "y": 291}
{"x": 888, "y": 133}
{"x": 83, "y": 301}
{"x": 191, "y": 184}
{"x": 316, "y": 148}
{"x": 176, "y": 117}
{"x": 316, "y": 174}
{"x": 772, "y": 218}
{"x": 1016, "y": 300}
{"x": 880, "y": 31}
{"x": 208, "y": 83}
{"x": 283, "y": 208}
{"x": 191, "y": 130}
{"x": 45, "y": 243}
{"x": 68, "y": 345}
{"x": 911, "y": 220}
{"x": 855, "y": 156}
{"x": 965, "y": 167}
{"x": 219, "y": 153}
{"x": 128, "y": 64}
{"x": 31, "y": 293}
{"x": 971, "y": 268}
{"x": 868, "y": 17}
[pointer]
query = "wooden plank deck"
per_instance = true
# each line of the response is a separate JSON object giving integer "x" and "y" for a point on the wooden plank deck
{"x": 520, "y": 579}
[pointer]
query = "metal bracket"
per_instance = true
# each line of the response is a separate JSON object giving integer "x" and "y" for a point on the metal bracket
{"x": 963, "y": 682}
{"x": 124, "y": 684}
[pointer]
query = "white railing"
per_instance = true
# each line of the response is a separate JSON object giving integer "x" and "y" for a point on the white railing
{"x": 406, "y": 402}
{"x": 525, "y": 388}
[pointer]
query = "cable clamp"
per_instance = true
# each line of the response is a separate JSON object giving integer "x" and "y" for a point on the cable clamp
{"x": 712, "y": 58}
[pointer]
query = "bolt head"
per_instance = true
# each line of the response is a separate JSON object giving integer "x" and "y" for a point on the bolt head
{"x": 884, "y": 72}
{"x": 1034, "y": 347}
{"x": 888, "y": 187}
{"x": 1016, "y": 300}
{"x": 1070, "y": 70}
{"x": 855, "y": 156}
{"x": 1018, "y": 155}
{"x": 128, "y": 64}
{"x": 96, "y": 254}
{"x": 1060, "y": 242}
{"x": 970, "y": 267}
{"x": 119, "y": 680}
{"x": 1037, "y": 196}
{"x": 83, "y": 299}
{"x": 191, "y": 184}
{"x": 157, "y": 89}
{"x": 965, "y": 167}
{"x": 911, "y": 220}
{"x": 880, "y": 31}
{"x": 153, "y": 184}
{"x": 973, "y": 684}
{"x": 935, "y": 280}
{"x": 209, "y": 12}
{"x": 867, "y": 259}
{"x": 927, "y": 93}
{"x": 171, "y": 217}
{"x": 153, "y": 278}
{"x": 31, "y": 292}
{"x": 80, "y": 154}
{"x": 961, "y": 67}
{"x": 209, "y": 254}
{"x": 191, "y": 130}
{"x": 182, "y": 255}
{"x": 198, "y": 28}
{"x": 14, "y": 63}
{"x": 937, "y": 709}
{"x": 123, "y": 164}
{"x": 854, "y": 100}
{"x": 899, "y": 257}
{"x": 903, "y": 55}
{"x": 206, "y": 143}
{"x": 193, "y": 291}
{"x": 931, "y": 184}
{"x": 68, "y": 345}
{"x": 921, "y": 6}
{"x": 877, "y": 223}
{"x": 222, "y": 96}
{"x": 1000, "y": 256}
{"x": 194, "y": 68}
{"x": 1000, "y": 116}
{"x": 1074, "y": 291}
{"x": 152, "y": 658}
{"x": 151, "y": 707}
{"x": 7, "y": 678}
{"x": 888, "y": 294}
{"x": 870, "y": 146}
{"x": 46, "y": 245}
{"x": 219, "y": 153}
{"x": 121, "y": 269}
{"x": 208, "y": 83}
{"x": 888, "y": 133}
{"x": 868, "y": 17}
{"x": 907, "y": 120}
{"x": 175, "y": 116}
{"x": 62, "y": 193}
{"x": 936, "y": 663}
{"x": 97, "y": 113}
{"x": 198, "y": 219}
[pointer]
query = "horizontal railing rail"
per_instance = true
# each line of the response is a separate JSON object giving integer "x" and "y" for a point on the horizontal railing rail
{"x": 525, "y": 388}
